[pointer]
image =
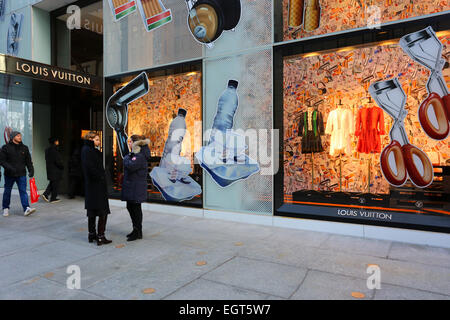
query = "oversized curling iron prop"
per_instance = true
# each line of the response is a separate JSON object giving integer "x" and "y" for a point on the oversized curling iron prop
{"x": 117, "y": 108}
{"x": 390, "y": 96}
{"x": 425, "y": 48}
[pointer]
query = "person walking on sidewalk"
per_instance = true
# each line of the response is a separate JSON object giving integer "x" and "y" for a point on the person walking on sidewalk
{"x": 55, "y": 169}
{"x": 96, "y": 195}
{"x": 15, "y": 158}
{"x": 134, "y": 187}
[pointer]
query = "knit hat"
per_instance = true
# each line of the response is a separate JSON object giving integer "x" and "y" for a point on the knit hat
{"x": 13, "y": 134}
{"x": 182, "y": 112}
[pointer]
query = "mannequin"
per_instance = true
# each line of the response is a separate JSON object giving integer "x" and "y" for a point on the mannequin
{"x": 310, "y": 128}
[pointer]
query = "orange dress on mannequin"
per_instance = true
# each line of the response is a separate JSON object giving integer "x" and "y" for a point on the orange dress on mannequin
{"x": 369, "y": 127}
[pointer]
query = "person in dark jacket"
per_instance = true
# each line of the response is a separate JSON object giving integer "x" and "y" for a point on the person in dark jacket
{"x": 55, "y": 169}
{"x": 15, "y": 157}
{"x": 75, "y": 172}
{"x": 96, "y": 196}
{"x": 134, "y": 187}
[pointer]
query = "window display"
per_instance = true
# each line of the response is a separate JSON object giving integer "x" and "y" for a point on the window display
{"x": 166, "y": 109}
{"x": 363, "y": 93}
{"x": 306, "y": 18}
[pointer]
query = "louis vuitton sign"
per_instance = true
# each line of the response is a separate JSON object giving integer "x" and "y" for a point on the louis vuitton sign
{"x": 49, "y": 73}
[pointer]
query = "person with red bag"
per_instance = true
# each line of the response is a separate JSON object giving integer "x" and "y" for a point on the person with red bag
{"x": 15, "y": 157}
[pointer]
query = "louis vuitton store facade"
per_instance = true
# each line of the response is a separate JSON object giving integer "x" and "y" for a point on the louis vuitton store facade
{"x": 336, "y": 96}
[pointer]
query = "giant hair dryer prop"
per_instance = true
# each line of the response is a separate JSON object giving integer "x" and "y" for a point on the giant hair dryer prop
{"x": 390, "y": 96}
{"x": 425, "y": 48}
{"x": 117, "y": 108}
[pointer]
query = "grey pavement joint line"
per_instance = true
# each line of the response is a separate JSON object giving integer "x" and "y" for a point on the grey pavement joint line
{"x": 339, "y": 274}
{"x": 246, "y": 289}
{"x": 55, "y": 268}
{"x": 199, "y": 277}
{"x": 79, "y": 290}
{"x": 301, "y": 283}
{"x": 385, "y": 283}
{"x": 389, "y": 250}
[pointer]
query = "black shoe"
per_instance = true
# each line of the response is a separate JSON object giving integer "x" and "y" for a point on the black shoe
{"x": 45, "y": 197}
{"x": 102, "y": 240}
{"x": 136, "y": 234}
{"x": 92, "y": 237}
{"x": 55, "y": 201}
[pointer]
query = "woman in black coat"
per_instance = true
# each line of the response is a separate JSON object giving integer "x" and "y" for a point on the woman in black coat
{"x": 134, "y": 187}
{"x": 96, "y": 195}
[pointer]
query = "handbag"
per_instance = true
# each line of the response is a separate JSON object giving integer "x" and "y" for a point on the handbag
{"x": 33, "y": 191}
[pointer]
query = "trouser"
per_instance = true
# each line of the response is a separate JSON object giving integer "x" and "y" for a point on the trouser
{"x": 22, "y": 185}
{"x": 135, "y": 210}
{"x": 52, "y": 189}
{"x": 101, "y": 227}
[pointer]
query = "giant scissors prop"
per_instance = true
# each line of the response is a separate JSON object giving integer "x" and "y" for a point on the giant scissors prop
{"x": 425, "y": 48}
{"x": 409, "y": 160}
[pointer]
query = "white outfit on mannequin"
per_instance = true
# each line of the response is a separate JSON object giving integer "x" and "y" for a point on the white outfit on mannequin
{"x": 340, "y": 125}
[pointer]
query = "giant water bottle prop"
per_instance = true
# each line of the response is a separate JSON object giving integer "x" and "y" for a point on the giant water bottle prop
{"x": 226, "y": 109}
{"x": 177, "y": 130}
{"x": 224, "y": 157}
{"x": 172, "y": 176}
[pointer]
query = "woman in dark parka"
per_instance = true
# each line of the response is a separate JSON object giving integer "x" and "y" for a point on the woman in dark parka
{"x": 134, "y": 187}
{"x": 96, "y": 195}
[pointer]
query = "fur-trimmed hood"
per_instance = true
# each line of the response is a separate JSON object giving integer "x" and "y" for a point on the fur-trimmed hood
{"x": 136, "y": 147}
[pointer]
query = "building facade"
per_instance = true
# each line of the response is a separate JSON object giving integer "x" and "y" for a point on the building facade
{"x": 306, "y": 114}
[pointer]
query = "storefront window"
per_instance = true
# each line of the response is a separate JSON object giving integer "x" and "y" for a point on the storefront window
{"x": 307, "y": 18}
{"x": 335, "y": 135}
{"x": 173, "y": 101}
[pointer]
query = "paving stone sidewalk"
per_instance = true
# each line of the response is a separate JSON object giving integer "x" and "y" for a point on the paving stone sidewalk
{"x": 191, "y": 258}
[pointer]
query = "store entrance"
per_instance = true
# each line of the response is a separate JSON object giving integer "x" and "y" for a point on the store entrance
{"x": 40, "y": 110}
{"x": 74, "y": 112}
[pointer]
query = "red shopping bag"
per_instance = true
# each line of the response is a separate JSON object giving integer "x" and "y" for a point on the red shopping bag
{"x": 33, "y": 191}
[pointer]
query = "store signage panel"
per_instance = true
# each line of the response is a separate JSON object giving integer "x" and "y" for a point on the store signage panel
{"x": 49, "y": 73}
{"x": 361, "y": 215}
